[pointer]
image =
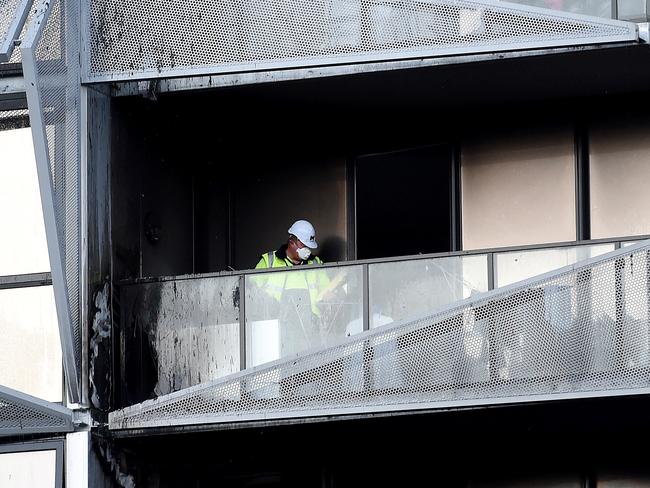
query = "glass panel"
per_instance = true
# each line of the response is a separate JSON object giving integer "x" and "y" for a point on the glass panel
{"x": 632, "y": 10}
{"x": 518, "y": 265}
{"x": 187, "y": 328}
{"x": 598, "y": 8}
{"x": 629, "y": 243}
{"x": 23, "y": 248}
{"x": 513, "y": 178}
{"x": 30, "y": 351}
{"x": 291, "y": 311}
{"x": 411, "y": 289}
{"x": 28, "y": 469}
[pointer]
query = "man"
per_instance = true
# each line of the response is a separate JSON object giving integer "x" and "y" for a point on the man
{"x": 296, "y": 251}
{"x": 298, "y": 292}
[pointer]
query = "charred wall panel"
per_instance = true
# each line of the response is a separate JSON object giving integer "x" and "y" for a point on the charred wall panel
{"x": 167, "y": 220}
{"x": 291, "y": 187}
{"x": 129, "y": 149}
{"x": 99, "y": 248}
{"x": 176, "y": 334}
{"x": 212, "y": 225}
{"x": 584, "y": 443}
{"x": 152, "y": 193}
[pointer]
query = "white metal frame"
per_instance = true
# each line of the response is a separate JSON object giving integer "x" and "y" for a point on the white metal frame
{"x": 123, "y": 419}
{"x": 77, "y": 451}
{"x": 163, "y": 72}
{"x": 42, "y": 155}
{"x": 57, "y": 445}
{"x": 130, "y": 88}
{"x": 9, "y": 42}
{"x": 63, "y": 415}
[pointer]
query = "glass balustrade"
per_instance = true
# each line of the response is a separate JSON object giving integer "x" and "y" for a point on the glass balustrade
{"x": 513, "y": 266}
{"x": 195, "y": 329}
{"x": 291, "y": 311}
{"x": 405, "y": 290}
{"x": 179, "y": 333}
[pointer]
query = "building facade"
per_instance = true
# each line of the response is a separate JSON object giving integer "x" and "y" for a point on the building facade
{"x": 476, "y": 172}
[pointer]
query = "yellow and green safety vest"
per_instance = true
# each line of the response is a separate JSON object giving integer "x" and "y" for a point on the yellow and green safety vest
{"x": 275, "y": 284}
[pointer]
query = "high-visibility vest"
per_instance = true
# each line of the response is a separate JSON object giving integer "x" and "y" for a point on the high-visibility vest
{"x": 271, "y": 260}
{"x": 275, "y": 284}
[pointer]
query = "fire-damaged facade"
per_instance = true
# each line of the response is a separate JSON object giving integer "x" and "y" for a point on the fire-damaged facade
{"x": 476, "y": 172}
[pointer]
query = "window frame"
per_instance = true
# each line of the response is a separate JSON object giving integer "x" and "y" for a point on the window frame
{"x": 57, "y": 445}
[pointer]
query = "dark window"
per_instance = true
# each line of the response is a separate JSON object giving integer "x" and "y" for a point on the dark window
{"x": 403, "y": 202}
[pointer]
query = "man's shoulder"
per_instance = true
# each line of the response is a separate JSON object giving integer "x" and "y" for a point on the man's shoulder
{"x": 266, "y": 260}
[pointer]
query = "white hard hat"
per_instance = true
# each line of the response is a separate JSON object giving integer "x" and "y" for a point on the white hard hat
{"x": 304, "y": 231}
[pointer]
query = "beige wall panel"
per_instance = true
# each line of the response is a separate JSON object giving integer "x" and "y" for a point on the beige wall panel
{"x": 539, "y": 481}
{"x": 632, "y": 478}
{"x": 620, "y": 179}
{"x": 518, "y": 188}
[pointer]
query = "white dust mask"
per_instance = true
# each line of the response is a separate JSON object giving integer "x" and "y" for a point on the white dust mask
{"x": 304, "y": 253}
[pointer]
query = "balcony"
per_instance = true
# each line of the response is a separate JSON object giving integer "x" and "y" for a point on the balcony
{"x": 532, "y": 339}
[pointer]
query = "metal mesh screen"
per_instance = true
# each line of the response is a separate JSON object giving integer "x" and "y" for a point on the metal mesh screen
{"x": 52, "y": 74}
{"x": 13, "y": 119}
{"x": 10, "y": 24}
{"x": 21, "y": 414}
{"x": 15, "y": 57}
{"x": 155, "y": 39}
{"x": 7, "y": 13}
{"x": 581, "y": 331}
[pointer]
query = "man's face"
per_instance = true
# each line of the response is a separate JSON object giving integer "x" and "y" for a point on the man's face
{"x": 292, "y": 249}
{"x": 295, "y": 244}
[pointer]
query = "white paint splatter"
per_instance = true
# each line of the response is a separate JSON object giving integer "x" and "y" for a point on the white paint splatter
{"x": 101, "y": 330}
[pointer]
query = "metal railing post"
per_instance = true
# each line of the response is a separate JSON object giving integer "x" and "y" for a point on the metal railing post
{"x": 366, "y": 298}
{"x": 490, "y": 271}
{"x": 242, "y": 322}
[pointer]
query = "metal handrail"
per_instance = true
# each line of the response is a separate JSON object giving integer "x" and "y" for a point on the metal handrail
{"x": 473, "y": 252}
{"x": 25, "y": 280}
{"x": 366, "y": 285}
{"x": 402, "y": 360}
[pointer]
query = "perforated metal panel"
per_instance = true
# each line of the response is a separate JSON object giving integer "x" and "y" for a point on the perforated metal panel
{"x": 152, "y": 39}
{"x": 51, "y": 68}
{"x": 583, "y": 330}
{"x": 13, "y": 119}
{"x": 24, "y": 414}
{"x": 15, "y": 57}
{"x": 12, "y": 18}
